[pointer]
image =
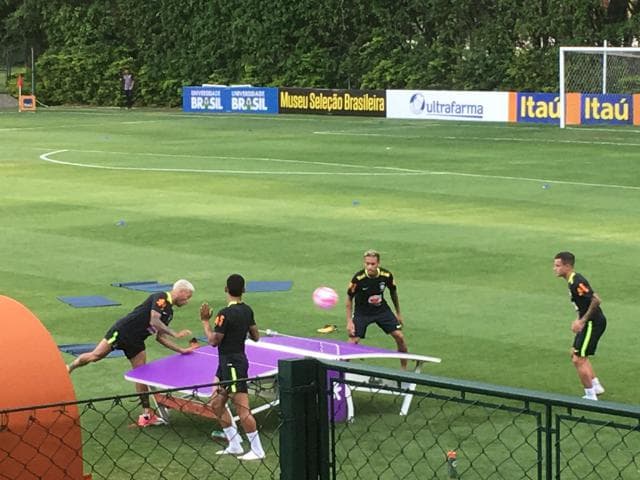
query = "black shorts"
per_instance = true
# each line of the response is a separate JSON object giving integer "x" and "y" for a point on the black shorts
{"x": 386, "y": 320}
{"x": 131, "y": 348}
{"x": 586, "y": 342}
{"x": 231, "y": 368}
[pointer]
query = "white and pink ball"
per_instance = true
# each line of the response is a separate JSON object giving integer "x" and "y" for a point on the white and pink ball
{"x": 325, "y": 297}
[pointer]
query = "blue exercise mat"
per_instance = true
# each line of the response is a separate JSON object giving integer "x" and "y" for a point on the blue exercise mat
{"x": 132, "y": 284}
{"x": 148, "y": 286}
{"x": 89, "y": 301}
{"x": 76, "y": 349}
{"x": 268, "y": 286}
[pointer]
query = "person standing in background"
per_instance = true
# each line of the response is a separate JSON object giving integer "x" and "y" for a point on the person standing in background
{"x": 128, "y": 83}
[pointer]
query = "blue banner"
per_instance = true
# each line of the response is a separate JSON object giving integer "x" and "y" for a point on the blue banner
{"x": 538, "y": 108}
{"x": 606, "y": 108}
{"x": 235, "y": 99}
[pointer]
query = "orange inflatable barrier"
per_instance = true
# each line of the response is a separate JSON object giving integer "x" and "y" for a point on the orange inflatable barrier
{"x": 37, "y": 443}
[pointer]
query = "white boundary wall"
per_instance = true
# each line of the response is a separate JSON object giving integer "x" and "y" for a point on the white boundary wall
{"x": 448, "y": 105}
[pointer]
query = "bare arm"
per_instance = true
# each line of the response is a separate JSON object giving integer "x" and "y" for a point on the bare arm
{"x": 162, "y": 329}
{"x": 213, "y": 338}
{"x": 254, "y": 333}
{"x": 349, "y": 312}
{"x": 396, "y": 304}
{"x": 163, "y": 340}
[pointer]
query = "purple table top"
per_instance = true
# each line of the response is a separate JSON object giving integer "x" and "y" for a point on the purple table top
{"x": 199, "y": 366}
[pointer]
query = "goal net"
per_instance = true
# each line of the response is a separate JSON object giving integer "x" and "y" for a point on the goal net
{"x": 599, "y": 70}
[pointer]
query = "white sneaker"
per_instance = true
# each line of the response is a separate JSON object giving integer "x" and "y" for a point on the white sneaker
{"x": 251, "y": 455}
{"x": 587, "y": 397}
{"x": 230, "y": 451}
{"x": 599, "y": 389}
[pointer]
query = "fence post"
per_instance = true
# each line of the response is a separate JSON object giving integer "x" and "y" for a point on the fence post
{"x": 299, "y": 409}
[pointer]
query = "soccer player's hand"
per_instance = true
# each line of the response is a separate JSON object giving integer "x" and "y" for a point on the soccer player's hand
{"x": 577, "y": 326}
{"x": 205, "y": 312}
{"x": 351, "y": 328}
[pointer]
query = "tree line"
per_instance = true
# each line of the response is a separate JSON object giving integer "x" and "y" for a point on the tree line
{"x": 82, "y": 46}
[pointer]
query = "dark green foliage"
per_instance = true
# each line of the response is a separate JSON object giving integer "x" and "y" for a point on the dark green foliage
{"x": 432, "y": 44}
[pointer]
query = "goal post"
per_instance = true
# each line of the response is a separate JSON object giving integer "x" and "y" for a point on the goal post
{"x": 597, "y": 70}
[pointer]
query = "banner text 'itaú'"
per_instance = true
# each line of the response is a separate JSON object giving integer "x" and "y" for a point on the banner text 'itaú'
{"x": 233, "y": 99}
{"x": 333, "y": 101}
{"x": 448, "y": 105}
{"x": 586, "y": 109}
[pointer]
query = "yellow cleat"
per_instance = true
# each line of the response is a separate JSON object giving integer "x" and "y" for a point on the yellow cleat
{"x": 327, "y": 329}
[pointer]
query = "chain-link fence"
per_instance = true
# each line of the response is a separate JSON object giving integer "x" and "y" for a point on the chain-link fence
{"x": 503, "y": 434}
{"x": 114, "y": 447}
{"x": 455, "y": 429}
{"x": 400, "y": 426}
{"x": 602, "y": 72}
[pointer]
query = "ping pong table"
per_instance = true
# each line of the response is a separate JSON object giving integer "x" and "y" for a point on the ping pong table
{"x": 197, "y": 368}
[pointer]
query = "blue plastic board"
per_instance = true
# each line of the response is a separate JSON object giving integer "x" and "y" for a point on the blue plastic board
{"x": 89, "y": 301}
{"x": 76, "y": 349}
{"x": 150, "y": 286}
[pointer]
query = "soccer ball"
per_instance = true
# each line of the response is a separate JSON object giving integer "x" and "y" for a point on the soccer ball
{"x": 325, "y": 297}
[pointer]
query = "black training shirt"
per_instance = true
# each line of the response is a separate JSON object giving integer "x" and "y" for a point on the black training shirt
{"x": 233, "y": 321}
{"x": 581, "y": 296}
{"x": 368, "y": 292}
{"x": 135, "y": 326}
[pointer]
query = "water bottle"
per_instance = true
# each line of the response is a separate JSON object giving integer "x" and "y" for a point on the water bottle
{"x": 452, "y": 462}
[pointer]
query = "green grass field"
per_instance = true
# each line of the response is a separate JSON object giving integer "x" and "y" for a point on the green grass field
{"x": 468, "y": 217}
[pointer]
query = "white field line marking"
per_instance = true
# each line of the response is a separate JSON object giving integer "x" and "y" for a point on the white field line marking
{"x": 76, "y": 125}
{"x": 484, "y": 139}
{"x": 600, "y": 129}
{"x": 393, "y": 170}
{"x": 538, "y": 180}
{"x": 356, "y": 134}
{"x": 399, "y": 171}
{"x": 542, "y": 140}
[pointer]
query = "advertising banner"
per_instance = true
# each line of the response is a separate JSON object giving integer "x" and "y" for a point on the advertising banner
{"x": 612, "y": 109}
{"x": 448, "y": 105}
{"x": 538, "y": 108}
{"x": 233, "y": 99}
{"x": 370, "y": 103}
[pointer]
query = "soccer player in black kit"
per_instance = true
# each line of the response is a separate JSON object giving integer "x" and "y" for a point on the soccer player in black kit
{"x": 366, "y": 290}
{"x": 588, "y": 327}
{"x": 232, "y": 325}
{"x": 128, "y": 334}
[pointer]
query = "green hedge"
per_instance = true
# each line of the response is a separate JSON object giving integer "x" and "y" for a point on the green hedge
{"x": 433, "y": 44}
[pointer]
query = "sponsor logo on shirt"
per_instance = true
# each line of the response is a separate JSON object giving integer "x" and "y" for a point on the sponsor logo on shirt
{"x": 375, "y": 299}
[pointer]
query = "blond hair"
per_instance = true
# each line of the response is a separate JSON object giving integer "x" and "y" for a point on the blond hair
{"x": 183, "y": 284}
{"x": 372, "y": 253}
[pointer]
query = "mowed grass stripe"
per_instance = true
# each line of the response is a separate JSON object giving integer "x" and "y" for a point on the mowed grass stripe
{"x": 472, "y": 254}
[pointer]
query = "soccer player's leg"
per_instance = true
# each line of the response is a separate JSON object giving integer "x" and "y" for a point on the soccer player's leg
{"x": 598, "y": 329}
{"x": 226, "y": 372}
{"x": 240, "y": 398}
{"x": 391, "y": 326}
{"x": 137, "y": 357}
{"x": 102, "y": 350}
{"x": 582, "y": 348}
{"x": 248, "y": 422}
{"x": 360, "y": 324}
